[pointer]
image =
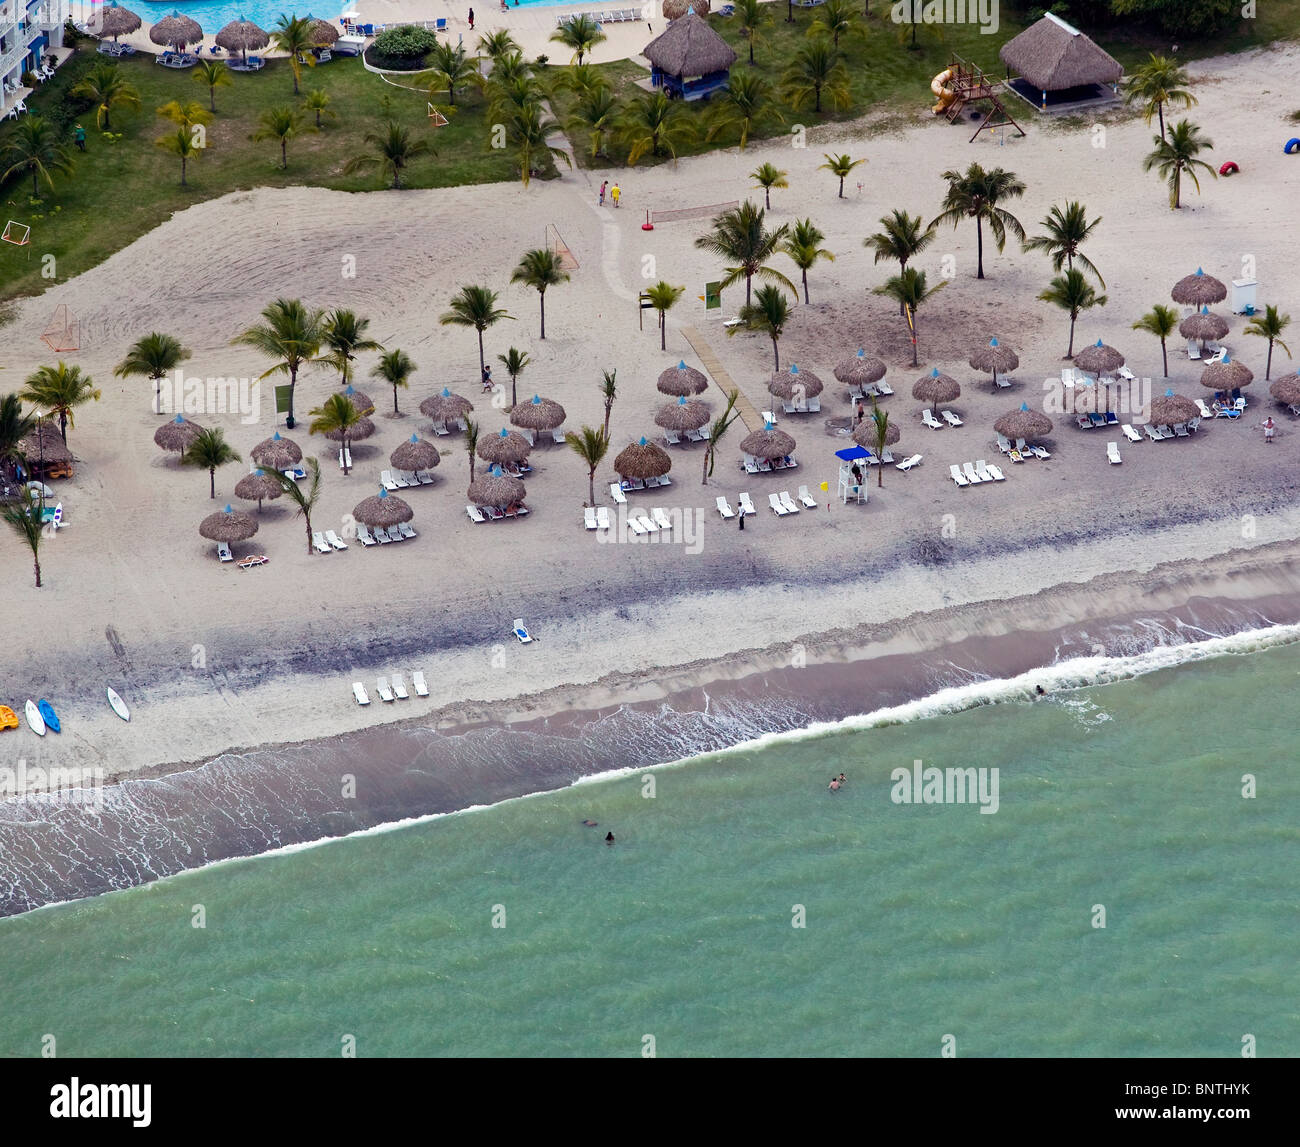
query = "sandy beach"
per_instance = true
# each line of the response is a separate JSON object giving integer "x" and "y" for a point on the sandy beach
{"x": 213, "y": 658}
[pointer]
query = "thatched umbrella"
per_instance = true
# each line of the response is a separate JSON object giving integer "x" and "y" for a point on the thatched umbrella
{"x": 864, "y": 434}
{"x": 1098, "y": 358}
{"x": 794, "y": 384}
{"x": 508, "y": 446}
{"x": 1204, "y": 326}
{"x": 43, "y": 446}
{"x": 682, "y": 379}
{"x": 114, "y": 21}
{"x": 676, "y": 9}
{"x": 642, "y": 460}
{"x": 767, "y": 443}
{"x": 1198, "y": 289}
{"x": 382, "y": 510}
{"x": 1286, "y": 390}
{"x": 995, "y": 357}
{"x": 415, "y": 454}
{"x": 242, "y": 36}
{"x": 1171, "y": 408}
{"x": 323, "y": 33}
{"x": 176, "y": 30}
{"x": 496, "y": 490}
{"x": 860, "y": 369}
{"x": 362, "y": 401}
{"x": 363, "y": 428}
{"x": 1226, "y": 374}
{"x": 935, "y": 388}
{"x": 177, "y": 434}
{"x": 276, "y": 453}
{"x": 443, "y": 406}
{"x": 228, "y": 526}
{"x": 258, "y": 485}
{"x": 1024, "y": 423}
{"x": 538, "y": 413}
{"x": 684, "y": 414}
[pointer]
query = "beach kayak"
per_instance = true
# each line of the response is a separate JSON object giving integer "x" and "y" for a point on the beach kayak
{"x": 119, "y": 706}
{"x": 8, "y": 718}
{"x": 48, "y": 715}
{"x": 34, "y": 719}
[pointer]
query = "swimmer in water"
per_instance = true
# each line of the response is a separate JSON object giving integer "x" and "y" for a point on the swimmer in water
{"x": 589, "y": 823}
{"x": 843, "y": 778}
{"x": 834, "y": 786}
{"x": 609, "y": 838}
{"x": 1041, "y": 691}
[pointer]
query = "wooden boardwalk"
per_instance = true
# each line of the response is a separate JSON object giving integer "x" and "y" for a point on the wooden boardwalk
{"x": 749, "y": 415}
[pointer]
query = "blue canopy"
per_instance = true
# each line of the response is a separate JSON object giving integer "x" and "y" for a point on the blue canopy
{"x": 853, "y": 454}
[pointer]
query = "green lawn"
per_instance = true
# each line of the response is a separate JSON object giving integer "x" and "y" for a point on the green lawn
{"x": 121, "y": 190}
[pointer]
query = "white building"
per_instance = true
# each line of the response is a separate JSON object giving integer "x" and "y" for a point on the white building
{"x": 28, "y": 29}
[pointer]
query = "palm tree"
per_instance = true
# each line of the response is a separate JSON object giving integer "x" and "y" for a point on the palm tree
{"x": 106, "y": 87}
{"x": 579, "y": 77}
{"x": 840, "y": 165}
{"x": 336, "y": 415}
{"x": 720, "y": 426}
{"x": 514, "y": 361}
{"x": 393, "y": 151}
{"x": 975, "y": 194}
{"x": 835, "y": 18}
{"x": 186, "y": 114}
{"x": 395, "y": 368}
{"x": 471, "y": 444}
{"x": 1073, "y": 293}
{"x": 34, "y": 148}
{"x": 739, "y": 237}
{"x": 510, "y": 67}
{"x": 591, "y": 445}
{"x": 816, "y": 70}
{"x": 213, "y": 74}
{"x": 291, "y": 335}
{"x": 909, "y": 289}
{"x": 540, "y": 268}
{"x": 745, "y": 104}
{"x": 207, "y": 451}
{"x": 903, "y": 237}
{"x": 653, "y": 123}
{"x": 768, "y": 176}
{"x": 609, "y": 392}
{"x": 582, "y": 33}
{"x": 531, "y": 135}
{"x": 475, "y": 307}
{"x": 59, "y": 390}
{"x": 753, "y": 15}
{"x": 496, "y": 44}
{"x": 293, "y": 36}
{"x": 280, "y": 124}
{"x": 507, "y": 96}
{"x": 1160, "y": 321}
{"x": 803, "y": 245}
{"x": 181, "y": 143}
{"x": 452, "y": 67}
{"x": 768, "y": 313}
{"x": 1158, "y": 82}
{"x": 344, "y": 332}
{"x": 153, "y": 356}
{"x": 1270, "y": 325}
{"x": 1066, "y": 231}
{"x": 1178, "y": 154}
{"x": 594, "y": 111}
{"x": 24, "y": 517}
{"x": 304, "y": 498}
{"x": 14, "y": 427}
{"x": 318, "y": 100}
{"x": 662, "y": 296}
{"x": 879, "y": 438}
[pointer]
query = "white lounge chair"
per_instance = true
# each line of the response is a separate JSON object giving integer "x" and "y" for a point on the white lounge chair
{"x": 884, "y": 388}
{"x": 724, "y": 509}
{"x": 806, "y": 498}
{"x": 616, "y": 492}
{"x": 386, "y": 480}
{"x": 521, "y": 631}
{"x": 958, "y": 476}
{"x": 1131, "y": 433}
{"x": 1002, "y": 382}
{"x": 951, "y": 419}
{"x": 589, "y": 517}
{"x": 405, "y": 528}
{"x": 223, "y": 552}
{"x": 425, "y": 477}
{"x": 671, "y": 438}
{"x": 747, "y": 505}
{"x": 778, "y": 509}
{"x": 364, "y": 536}
{"x": 1206, "y": 412}
{"x": 1194, "y": 424}
{"x": 1217, "y": 356}
{"x": 1126, "y": 374}
{"x": 334, "y": 540}
{"x": 381, "y": 687}
{"x": 1112, "y": 453}
{"x": 1180, "y": 430}
{"x": 1151, "y": 433}
{"x": 814, "y": 404}
{"x": 475, "y": 514}
{"x": 400, "y": 479}
{"x": 417, "y": 679}
{"x": 927, "y": 416}
{"x": 1193, "y": 349}
{"x": 985, "y": 471}
{"x": 646, "y": 522}
{"x": 971, "y": 476}
{"x": 440, "y": 428}
{"x": 1040, "y": 452}
{"x": 636, "y": 526}
{"x": 359, "y": 692}
{"x": 399, "y": 688}
{"x": 382, "y": 536}
{"x": 996, "y": 471}
{"x": 559, "y": 437}
{"x": 788, "y": 502}
{"x": 345, "y": 459}
{"x": 907, "y": 463}
{"x": 1004, "y": 444}
{"x": 319, "y": 544}
{"x": 602, "y": 517}
{"x": 662, "y": 519}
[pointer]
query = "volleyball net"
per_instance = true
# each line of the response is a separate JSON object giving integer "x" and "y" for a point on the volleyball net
{"x": 692, "y": 212}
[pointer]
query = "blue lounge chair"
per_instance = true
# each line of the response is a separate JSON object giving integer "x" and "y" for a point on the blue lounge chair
{"x": 442, "y": 24}
{"x": 521, "y": 631}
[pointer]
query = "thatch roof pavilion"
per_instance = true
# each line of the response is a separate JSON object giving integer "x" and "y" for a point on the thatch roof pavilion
{"x": 1055, "y": 57}
{"x": 690, "y": 59}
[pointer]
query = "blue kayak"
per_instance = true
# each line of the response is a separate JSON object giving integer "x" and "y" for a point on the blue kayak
{"x": 47, "y": 711}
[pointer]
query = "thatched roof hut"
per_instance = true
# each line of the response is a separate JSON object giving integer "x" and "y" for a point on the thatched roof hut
{"x": 176, "y": 30}
{"x": 415, "y": 454}
{"x": 995, "y": 357}
{"x": 676, "y": 9}
{"x": 768, "y": 443}
{"x": 643, "y": 460}
{"x": 1170, "y": 408}
{"x": 277, "y": 453}
{"x": 1227, "y": 374}
{"x": 1024, "y": 423}
{"x": 228, "y": 525}
{"x": 860, "y": 369}
{"x": 382, "y": 510}
{"x": 362, "y": 401}
{"x": 362, "y": 428}
{"x": 1286, "y": 390}
{"x": 1053, "y": 56}
{"x": 177, "y": 434}
{"x": 682, "y": 379}
{"x": 864, "y": 434}
{"x": 323, "y": 33}
{"x": 508, "y": 446}
{"x": 794, "y": 385}
{"x": 113, "y": 20}
{"x": 538, "y": 413}
{"x": 1098, "y": 358}
{"x": 690, "y": 59}
{"x": 258, "y": 485}
{"x": 684, "y": 414}
{"x": 1205, "y": 325}
{"x": 935, "y": 388}
{"x": 242, "y": 36}
{"x": 496, "y": 490}
{"x": 1198, "y": 289}
{"x": 440, "y": 407}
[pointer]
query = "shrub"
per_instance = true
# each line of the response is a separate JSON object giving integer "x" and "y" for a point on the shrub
{"x": 402, "y": 48}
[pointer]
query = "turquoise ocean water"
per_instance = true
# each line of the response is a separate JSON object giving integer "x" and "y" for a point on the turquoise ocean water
{"x": 922, "y": 921}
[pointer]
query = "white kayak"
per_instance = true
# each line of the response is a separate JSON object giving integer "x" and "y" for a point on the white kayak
{"x": 35, "y": 720}
{"x": 119, "y": 706}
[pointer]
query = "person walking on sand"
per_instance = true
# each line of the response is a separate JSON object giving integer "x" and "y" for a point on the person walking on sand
{"x": 471, "y": 19}
{"x": 604, "y": 183}
{"x": 1269, "y": 427}
{"x": 615, "y": 193}
{"x": 740, "y": 518}
{"x": 79, "y": 136}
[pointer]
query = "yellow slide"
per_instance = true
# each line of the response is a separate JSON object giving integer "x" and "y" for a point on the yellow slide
{"x": 946, "y": 95}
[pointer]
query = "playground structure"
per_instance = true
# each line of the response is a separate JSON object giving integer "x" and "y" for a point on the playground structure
{"x": 962, "y": 83}
{"x": 64, "y": 331}
{"x": 557, "y": 245}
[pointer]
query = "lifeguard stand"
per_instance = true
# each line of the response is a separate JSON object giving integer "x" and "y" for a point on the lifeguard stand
{"x": 971, "y": 85}
{"x": 850, "y": 488}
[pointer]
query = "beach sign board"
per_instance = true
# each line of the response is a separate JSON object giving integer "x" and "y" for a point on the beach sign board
{"x": 712, "y": 296}
{"x": 282, "y": 394}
